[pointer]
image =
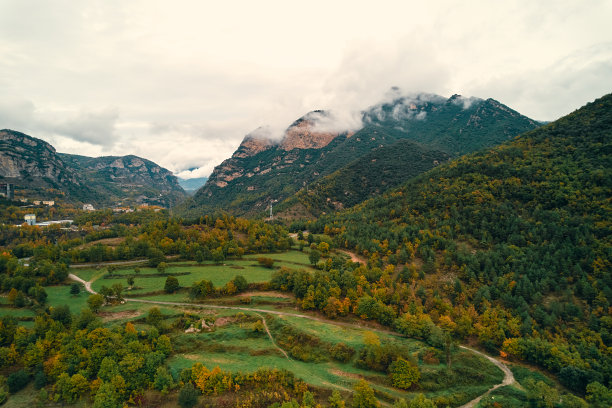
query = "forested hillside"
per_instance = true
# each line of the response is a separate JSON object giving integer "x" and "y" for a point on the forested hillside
{"x": 262, "y": 170}
{"x": 510, "y": 245}
{"x": 365, "y": 177}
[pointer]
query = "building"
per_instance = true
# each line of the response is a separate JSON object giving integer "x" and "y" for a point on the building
{"x": 7, "y": 190}
{"x": 88, "y": 207}
{"x": 30, "y": 219}
{"x": 49, "y": 203}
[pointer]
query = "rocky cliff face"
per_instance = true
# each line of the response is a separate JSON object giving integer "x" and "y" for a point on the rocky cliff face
{"x": 33, "y": 165}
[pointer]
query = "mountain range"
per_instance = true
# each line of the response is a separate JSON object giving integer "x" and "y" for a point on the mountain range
{"x": 35, "y": 168}
{"x": 318, "y": 165}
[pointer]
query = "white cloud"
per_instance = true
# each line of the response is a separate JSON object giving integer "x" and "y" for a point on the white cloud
{"x": 181, "y": 83}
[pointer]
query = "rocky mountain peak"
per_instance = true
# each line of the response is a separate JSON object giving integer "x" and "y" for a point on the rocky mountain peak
{"x": 255, "y": 142}
{"x": 307, "y": 132}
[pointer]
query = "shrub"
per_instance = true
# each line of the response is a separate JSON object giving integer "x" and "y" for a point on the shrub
{"x": 341, "y": 352}
{"x": 172, "y": 284}
{"x": 403, "y": 374}
{"x": 266, "y": 262}
{"x": 188, "y": 396}
{"x": 17, "y": 381}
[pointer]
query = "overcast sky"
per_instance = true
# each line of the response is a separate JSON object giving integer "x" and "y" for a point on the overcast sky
{"x": 182, "y": 82}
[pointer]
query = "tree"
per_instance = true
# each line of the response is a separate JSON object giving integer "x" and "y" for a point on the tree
{"x": 75, "y": 289}
{"x": 308, "y": 399}
{"x": 266, "y": 262}
{"x": 314, "y": 256}
{"x": 403, "y": 374}
{"x": 62, "y": 314}
{"x": 107, "y": 397}
{"x": 117, "y": 289}
{"x": 188, "y": 396}
{"x": 161, "y": 267}
{"x": 241, "y": 283}
{"x": 419, "y": 401}
{"x": 108, "y": 369}
{"x": 163, "y": 380}
{"x": 336, "y": 400}
{"x": 363, "y": 397}
{"x": 156, "y": 256}
{"x": 95, "y": 302}
{"x": 598, "y": 395}
{"x": 17, "y": 381}
{"x": 154, "y": 317}
{"x": 130, "y": 281}
{"x": 172, "y": 284}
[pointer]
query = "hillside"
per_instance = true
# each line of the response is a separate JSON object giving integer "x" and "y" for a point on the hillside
{"x": 38, "y": 171}
{"x": 366, "y": 177}
{"x": 127, "y": 179}
{"x": 262, "y": 170}
{"x": 34, "y": 165}
{"x": 518, "y": 235}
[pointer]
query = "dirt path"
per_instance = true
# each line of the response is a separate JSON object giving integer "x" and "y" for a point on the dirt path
{"x": 354, "y": 256}
{"x": 265, "y": 325}
{"x": 87, "y": 284}
{"x": 508, "y": 377}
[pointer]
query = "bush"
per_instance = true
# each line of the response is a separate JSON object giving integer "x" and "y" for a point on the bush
{"x": 172, "y": 284}
{"x": 188, "y": 396}
{"x": 17, "y": 381}
{"x": 341, "y": 352}
{"x": 75, "y": 289}
{"x": 266, "y": 262}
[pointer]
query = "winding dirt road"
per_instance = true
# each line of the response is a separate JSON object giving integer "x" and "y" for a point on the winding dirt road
{"x": 508, "y": 376}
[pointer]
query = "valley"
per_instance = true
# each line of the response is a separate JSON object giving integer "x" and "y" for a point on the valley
{"x": 410, "y": 275}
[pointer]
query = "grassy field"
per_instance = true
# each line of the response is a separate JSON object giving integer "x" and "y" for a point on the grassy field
{"x": 219, "y": 275}
{"x": 60, "y": 295}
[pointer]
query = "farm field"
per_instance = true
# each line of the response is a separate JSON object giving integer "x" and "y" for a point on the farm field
{"x": 234, "y": 344}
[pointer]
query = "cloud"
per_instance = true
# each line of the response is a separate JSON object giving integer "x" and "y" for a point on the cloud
{"x": 563, "y": 86}
{"x": 93, "y": 127}
{"x": 97, "y": 128}
{"x": 182, "y": 84}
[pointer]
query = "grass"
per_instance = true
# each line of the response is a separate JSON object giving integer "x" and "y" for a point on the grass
{"x": 235, "y": 347}
{"x": 88, "y": 274}
{"x": 219, "y": 275}
{"x": 290, "y": 256}
{"x": 60, "y": 295}
{"x": 16, "y": 312}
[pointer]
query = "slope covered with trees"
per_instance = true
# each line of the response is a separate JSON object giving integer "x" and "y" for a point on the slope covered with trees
{"x": 262, "y": 170}
{"x": 510, "y": 245}
{"x": 365, "y": 177}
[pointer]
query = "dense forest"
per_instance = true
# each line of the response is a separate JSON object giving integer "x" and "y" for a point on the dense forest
{"x": 510, "y": 245}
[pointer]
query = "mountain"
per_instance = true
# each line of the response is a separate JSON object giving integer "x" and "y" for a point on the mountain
{"x": 516, "y": 238}
{"x": 33, "y": 164}
{"x": 36, "y": 169}
{"x": 193, "y": 184}
{"x": 366, "y": 177}
{"x": 263, "y": 170}
{"x": 124, "y": 180}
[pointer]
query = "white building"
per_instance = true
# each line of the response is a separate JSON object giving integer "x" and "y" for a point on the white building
{"x": 88, "y": 207}
{"x": 30, "y": 219}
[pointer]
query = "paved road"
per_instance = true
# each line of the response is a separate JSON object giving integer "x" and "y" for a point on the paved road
{"x": 508, "y": 376}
